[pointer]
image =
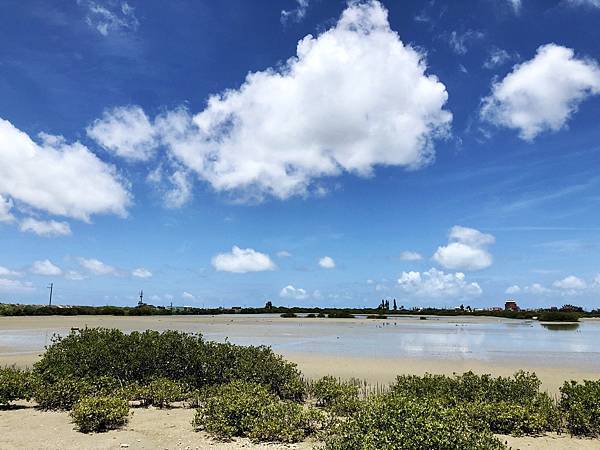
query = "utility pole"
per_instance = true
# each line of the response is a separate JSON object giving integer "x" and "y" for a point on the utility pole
{"x": 50, "y": 287}
{"x": 141, "y": 302}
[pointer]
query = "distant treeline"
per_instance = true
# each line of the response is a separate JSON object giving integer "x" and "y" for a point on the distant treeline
{"x": 149, "y": 310}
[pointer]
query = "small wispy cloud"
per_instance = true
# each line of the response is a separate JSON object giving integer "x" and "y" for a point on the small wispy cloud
{"x": 110, "y": 16}
{"x": 516, "y": 6}
{"x": 46, "y": 268}
{"x": 296, "y": 14}
{"x": 410, "y": 256}
{"x": 46, "y": 228}
{"x": 97, "y": 267}
{"x": 498, "y": 57}
{"x": 459, "y": 42}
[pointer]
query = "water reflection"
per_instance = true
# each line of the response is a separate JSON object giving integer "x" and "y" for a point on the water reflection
{"x": 560, "y": 326}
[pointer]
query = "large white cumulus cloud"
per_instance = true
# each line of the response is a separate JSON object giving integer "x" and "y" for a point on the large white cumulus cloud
{"x": 542, "y": 93}
{"x": 56, "y": 177}
{"x": 352, "y": 98}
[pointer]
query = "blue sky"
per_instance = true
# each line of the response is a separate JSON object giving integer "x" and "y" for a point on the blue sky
{"x": 309, "y": 152}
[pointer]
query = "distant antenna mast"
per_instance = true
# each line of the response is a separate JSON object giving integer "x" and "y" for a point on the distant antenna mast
{"x": 50, "y": 287}
{"x": 141, "y": 302}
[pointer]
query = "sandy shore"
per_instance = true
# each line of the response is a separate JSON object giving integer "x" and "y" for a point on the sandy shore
{"x": 171, "y": 429}
{"x": 149, "y": 428}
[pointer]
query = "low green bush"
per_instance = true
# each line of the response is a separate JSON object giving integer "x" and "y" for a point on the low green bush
{"x": 288, "y": 315}
{"x": 162, "y": 392}
{"x": 141, "y": 357}
{"x": 242, "y": 409}
{"x": 280, "y": 421}
{"x": 580, "y": 405}
{"x": 395, "y": 422}
{"x": 15, "y": 384}
{"x": 99, "y": 413}
{"x": 515, "y": 419}
{"x": 63, "y": 393}
{"x": 340, "y": 397}
{"x": 512, "y": 405}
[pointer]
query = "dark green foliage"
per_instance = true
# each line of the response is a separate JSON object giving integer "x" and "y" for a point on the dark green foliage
{"x": 15, "y": 384}
{"x": 288, "y": 315}
{"x": 100, "y": 413}
{"x": 513, "y": 418}
{"x": 63, "y": 393}
{"x": 503, "y": 404}
{"x": 95, "y": 352}
{"x": 340, "y": 397}
{"x": 340, "y": 315}
{"x": 280, "y": 421}
{"x": 394, "y": 422}
{"x": 227, "y": 362}
{"x": 580, "y": 405}
{"x": 162, "y": 392}
{"x": 39, "y": 310}
{"x": 558, "y": 316}
{"x": 250, "y": 410}
{"x": 143, "y": 357}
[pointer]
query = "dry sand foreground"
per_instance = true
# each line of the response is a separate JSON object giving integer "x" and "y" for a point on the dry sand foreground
{"x": 150, "y": 428}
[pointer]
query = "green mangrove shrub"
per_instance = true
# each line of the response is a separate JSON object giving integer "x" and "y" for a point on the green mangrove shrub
{"x": 141, "y": 357}
{"x": 242, "y": 409}
{"x": 63, "y": 393}
{"x": 580, "y": 405}
{"x": 15, "y": 384}
{"x": 511, "y": 405}
{"x": 395, "y": 422}
{"x": 99, "y": 413}
{"x": 162, "y": 392}
{"x": 558, "y": 316}
{"x": 340, "y": 397}
{"x": 513, "y": 418}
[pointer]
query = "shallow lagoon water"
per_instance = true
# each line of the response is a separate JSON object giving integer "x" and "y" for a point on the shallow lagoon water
{"x": 452, "y": 338}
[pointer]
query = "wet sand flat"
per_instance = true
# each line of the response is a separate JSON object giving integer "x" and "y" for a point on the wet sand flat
{"x": 373, "y": 350}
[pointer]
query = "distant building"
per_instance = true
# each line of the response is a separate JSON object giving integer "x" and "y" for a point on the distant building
{"x": 511, "y": 305}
